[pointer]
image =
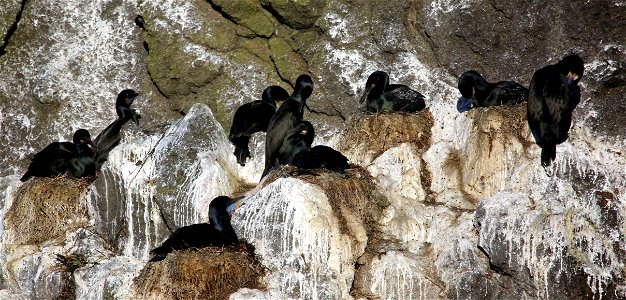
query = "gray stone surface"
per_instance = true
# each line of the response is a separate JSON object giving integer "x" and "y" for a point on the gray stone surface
{"x": 467, "y": 211}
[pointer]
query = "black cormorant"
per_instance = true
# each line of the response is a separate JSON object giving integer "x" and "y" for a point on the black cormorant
{"x": 286, "y": 118}
{"x": 297, "y": 140}
{"x": 110, "y": 137}
{"x": 219, "y": 232}
{"x": 477, "y": 92}
{"x": 76, "y": 158}
{"x": 122, "y": 105}
{"x": 297, "y": 151}
{"x": 254, "y": 117}
{"x": 385, "y": 97}
{"x": 553, "y": 95}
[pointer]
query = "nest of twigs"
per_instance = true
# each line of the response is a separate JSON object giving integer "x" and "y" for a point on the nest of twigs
{"x": 376, "y": 133}
{"x": 45, "y": 208}
{"x": 206, "y": 273}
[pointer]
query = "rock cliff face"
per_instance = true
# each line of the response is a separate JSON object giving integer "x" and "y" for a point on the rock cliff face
{"x": 439, "y": 205}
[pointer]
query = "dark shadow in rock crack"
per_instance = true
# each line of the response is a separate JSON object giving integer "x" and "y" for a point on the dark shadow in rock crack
{"x": 12, "y": 29}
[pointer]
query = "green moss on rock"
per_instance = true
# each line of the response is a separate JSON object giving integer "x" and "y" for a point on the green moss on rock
{"x": 248, "y": 13}
{"x": 176, "y": 70}
{"x": 298, "y": 14}
{"x": 225, "y": 93}
{"x": 258, "y": 47}
{"x": 288, "y": 63}
{"x": 260, "y": 23}
{"x": 9, "y": 10}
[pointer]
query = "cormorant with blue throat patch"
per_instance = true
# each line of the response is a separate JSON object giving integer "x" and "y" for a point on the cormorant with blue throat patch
{"x": 478, "y": 92}
{"x": 553, "y": 95}
{"x": 57, "y": 158}
{"x": 285, "y": 118}
{"x": 219, "y": 232}
{"x": 297, "y": 151}
{"x": 254, "y": 117}
{"x": 384, "y": 97}
{"x": 110, "y": 137}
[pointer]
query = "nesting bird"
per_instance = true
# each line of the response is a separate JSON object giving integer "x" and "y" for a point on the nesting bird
{"x": 254, "y": 117}
{"x": 110, "y": 137}
{"x": 298, "y": 139}
{"x": 297, "y": 151}
{"x": 219, "y": 232}
{"x": 286, "y": 117}
{"x": 553, "y": 95}
{"x": 478, "y": 92}
{"x": 384, "y": 97}
{"x": 75, "y": 158}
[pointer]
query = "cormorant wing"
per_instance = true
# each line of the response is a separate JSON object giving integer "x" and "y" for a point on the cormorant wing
{"x": 251, "y": 118}
{"x": 63, "y": 150}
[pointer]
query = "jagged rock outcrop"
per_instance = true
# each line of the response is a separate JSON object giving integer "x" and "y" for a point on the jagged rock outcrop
{"x": 313, "y": 226}
{"x": 439, "y": 205}
{"x": 170, "y": 179}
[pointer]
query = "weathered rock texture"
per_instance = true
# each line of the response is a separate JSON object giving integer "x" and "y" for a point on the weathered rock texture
{"x": 439, "y": 205}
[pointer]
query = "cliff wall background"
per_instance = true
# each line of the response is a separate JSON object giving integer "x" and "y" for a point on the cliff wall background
{"x": 443, "y": 206}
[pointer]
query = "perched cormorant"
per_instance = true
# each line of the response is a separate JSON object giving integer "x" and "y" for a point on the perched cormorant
{"x": 297, "y": 151}
{"x": 122, "y": 105}
{"x": 57, "y": 158}
{"x": 285, "y": 118}
{"x": 254, "y": 117}
{"x": 385, "y": 97}
{"x": 477, "y": 92}
{"x": 553, "y": 95}
{"x": 217, "y": 233}
{"x": 110, "y": 137}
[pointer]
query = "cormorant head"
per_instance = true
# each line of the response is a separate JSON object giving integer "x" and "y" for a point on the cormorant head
{"x": 573, "y": 66}
{"x": 219, "y": 210}
{"x": 82, "y": 137}
{"x": 126, "y": 97}
{"x": 298, "y": 139}
{"x": 274, "y": 95}
{"x": 466, "y": 83}
{"x": 306, "y": 131}
{"x": 304, "y": 88}
{"x": 378, "y": 79}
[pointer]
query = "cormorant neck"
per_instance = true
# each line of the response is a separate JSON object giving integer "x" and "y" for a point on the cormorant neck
{"x": 219, "y": 221}
{"x": 119, "y": 111}
{"x": 83, "y": 149}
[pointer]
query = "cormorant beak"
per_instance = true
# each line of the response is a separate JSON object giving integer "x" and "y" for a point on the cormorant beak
{"x": 304, "y": 132}
{"x": 89, "y": 142}
{"x": 279, "y": 102}
{"x": 230, "y": 207}
{"x": 365, "y": 92}
{"x": 571, "y": 77}
{"x": 130, "y": 98}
